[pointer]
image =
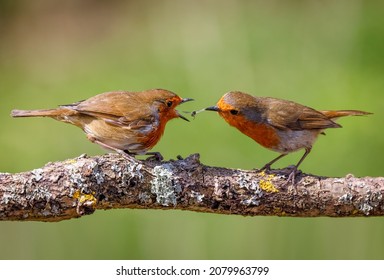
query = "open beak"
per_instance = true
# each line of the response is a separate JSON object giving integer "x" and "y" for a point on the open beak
{"x": 182, "y": 117}
{"x": 212, "y": 108}
{"x": 183, "y": 101}
{"x": 186, "y": 100}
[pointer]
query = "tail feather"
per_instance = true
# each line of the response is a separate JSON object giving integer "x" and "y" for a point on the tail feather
{"x": 39, "y": 113}
{"x": 343, "y": 113}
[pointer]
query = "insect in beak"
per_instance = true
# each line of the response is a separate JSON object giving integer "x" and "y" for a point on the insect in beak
{"x": 183, "y": 101}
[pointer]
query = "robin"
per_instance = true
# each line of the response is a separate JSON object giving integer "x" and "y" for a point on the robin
{"x": 129, "y": 123}
{"x": 279, "y": 125}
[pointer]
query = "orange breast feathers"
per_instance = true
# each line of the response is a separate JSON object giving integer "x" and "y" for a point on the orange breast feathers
{"x": 154, "y": 135}
{"x": 262, "y": 133}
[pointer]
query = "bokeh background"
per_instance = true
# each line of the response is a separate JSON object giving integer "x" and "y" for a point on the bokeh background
{"x": 324, "y": 54}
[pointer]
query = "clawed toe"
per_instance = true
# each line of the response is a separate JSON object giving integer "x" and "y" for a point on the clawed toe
{"x": 154, "y": 156}
{"x": 292, "y": 176}
{"x": 266, "y": 167}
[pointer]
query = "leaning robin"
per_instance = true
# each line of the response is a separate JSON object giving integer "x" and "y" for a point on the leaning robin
{"x": 279, "y": 125}
{"x": 129, "y": 123}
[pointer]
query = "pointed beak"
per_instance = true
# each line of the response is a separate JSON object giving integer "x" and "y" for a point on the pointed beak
{"x": 182, "y": 117}
{"x": 212, "y": 108}
{"x": 186, "y": 100}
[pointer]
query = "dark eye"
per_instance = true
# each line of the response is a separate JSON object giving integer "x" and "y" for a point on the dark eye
{"x": 234, "y": 112}
{"x": 169, "y": 103}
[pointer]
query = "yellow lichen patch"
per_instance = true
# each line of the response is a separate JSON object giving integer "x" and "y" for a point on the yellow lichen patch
{"x": 71, "y": 161}
{"x": 87, "y": 199}
{"x": 77, "y": 194}
{"x": 86, "y": 203}
{"x": 262, "y": 173}
{"x": 266, "y": 184}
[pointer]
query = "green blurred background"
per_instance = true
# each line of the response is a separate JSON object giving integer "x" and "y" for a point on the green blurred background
{"x": 324, "y": 54}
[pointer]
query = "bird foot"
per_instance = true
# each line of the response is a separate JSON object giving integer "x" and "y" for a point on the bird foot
{"x": 292, "y": 176}
{"x": 156, "y": 156}
{"x": 126, "y": 154}
{"x": 266, "y": 168}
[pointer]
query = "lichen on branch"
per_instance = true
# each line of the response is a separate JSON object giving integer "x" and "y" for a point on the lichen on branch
{"x": 77, "y": 187}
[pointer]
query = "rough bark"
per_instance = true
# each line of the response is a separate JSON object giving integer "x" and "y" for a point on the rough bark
{"x": 77, "y": 187}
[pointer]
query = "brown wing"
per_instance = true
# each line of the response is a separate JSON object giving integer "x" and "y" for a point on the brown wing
{"x": 120, "y": 108}
{"x": 284, "y": 114}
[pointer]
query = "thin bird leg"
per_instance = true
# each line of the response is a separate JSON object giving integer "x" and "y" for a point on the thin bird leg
{"x": 124, "y": 153}
{"x": 292, "y": 175}
{"x": 267, "y": 167}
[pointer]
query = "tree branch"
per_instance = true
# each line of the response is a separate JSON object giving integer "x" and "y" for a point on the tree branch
{"x": 76, "y": 187}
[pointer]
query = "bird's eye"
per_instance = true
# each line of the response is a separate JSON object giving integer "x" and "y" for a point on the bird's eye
{"x": 169, "y": 103}
{"x": 234, "y": 112}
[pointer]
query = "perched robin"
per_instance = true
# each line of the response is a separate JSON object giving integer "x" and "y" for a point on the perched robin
{"x": 126, "y": 122}
{"x": 279, "y": 125}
